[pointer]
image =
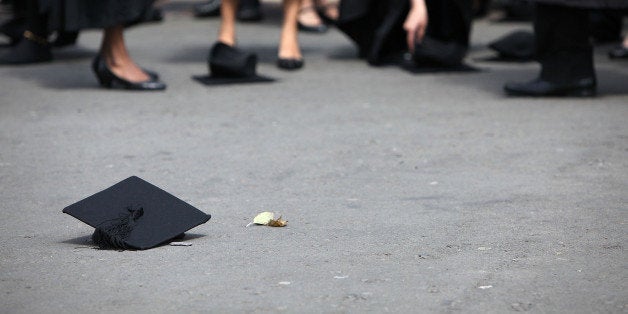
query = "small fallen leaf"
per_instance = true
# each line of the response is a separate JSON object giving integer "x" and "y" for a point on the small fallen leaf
{"x": 263, "y": 218}
{"x": 277, "y": 223}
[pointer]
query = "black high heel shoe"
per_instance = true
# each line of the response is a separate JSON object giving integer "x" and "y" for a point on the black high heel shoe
{"x": 108, "y": 79}
{"x": 290, "y": 64}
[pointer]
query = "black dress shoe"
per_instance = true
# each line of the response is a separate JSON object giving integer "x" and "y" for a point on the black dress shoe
{"x": 437, "y": 53}
{"x": 620, "y": 52}
{"x": 207, "y": 8}
{"x": 249, "y": 11}
{"x": 26, "y": 51}
{"x": 540, "y": 88}
{"x": 319, "y": 29}
{"x": 290, "y": 64}
{"x": 108, "y": 79}
{"x": 153, "y": 75}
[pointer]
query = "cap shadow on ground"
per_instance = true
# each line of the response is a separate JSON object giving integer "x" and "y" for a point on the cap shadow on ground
{"x": 87, "y": 240}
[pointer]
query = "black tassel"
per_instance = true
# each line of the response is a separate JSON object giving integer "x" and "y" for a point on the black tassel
{"x": 113, "y": 233}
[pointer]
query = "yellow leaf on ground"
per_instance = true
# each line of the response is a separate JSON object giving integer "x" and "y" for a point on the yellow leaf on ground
{"x": 263, "y": 218}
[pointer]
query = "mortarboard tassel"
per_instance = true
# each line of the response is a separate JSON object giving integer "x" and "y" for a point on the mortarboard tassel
{"x": 113, "y": 233}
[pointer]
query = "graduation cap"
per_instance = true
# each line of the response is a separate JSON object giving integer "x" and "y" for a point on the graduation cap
{"x": 230, "y": 65}
{"x": 516, "y": 46}
{"x": 134, "y": 214}
{"x": 434, "y": 52}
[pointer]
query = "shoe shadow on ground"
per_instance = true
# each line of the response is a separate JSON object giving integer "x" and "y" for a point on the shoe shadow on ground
{"x": 64, "y": 76}
{"x": 69, "y": 69}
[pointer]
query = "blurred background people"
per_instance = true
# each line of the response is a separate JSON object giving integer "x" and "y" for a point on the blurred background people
{"x": 248, "y": 10}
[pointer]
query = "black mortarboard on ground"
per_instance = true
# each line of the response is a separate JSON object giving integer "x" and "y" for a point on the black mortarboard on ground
{"x": 230, "y": 65}
{"x": 134, "y": 214}
{"x": 434, "y": 56}
{"x": 518, "y": 46}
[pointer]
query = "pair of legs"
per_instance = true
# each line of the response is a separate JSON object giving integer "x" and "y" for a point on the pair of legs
{"x": 288, "y": 42}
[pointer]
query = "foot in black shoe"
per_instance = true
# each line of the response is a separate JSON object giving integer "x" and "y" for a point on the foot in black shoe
{"x": 290, "y": 64}
{"x": 207, "y": 8}
{"x": 541, "y": 88}
{"x": 31, "y": 49}
{"x": 108, "y": 79}
{"x": 249, "y": 11}
{"x": 310, "y": 15}
{"x": 620, "y": 52}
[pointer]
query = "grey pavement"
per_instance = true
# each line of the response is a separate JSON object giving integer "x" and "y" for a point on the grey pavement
{"x": 404, "y": 193}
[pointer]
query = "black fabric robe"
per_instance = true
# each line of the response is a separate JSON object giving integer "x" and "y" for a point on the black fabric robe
{"x": 376, "y": 26}
{"x": 74, "y": 15}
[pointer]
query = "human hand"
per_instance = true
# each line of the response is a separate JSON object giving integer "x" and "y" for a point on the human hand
{"x": 416, "y": 23}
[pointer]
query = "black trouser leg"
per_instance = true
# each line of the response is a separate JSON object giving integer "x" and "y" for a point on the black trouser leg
{"x": 563, "y": 46}
{"x": 450, "y": 20}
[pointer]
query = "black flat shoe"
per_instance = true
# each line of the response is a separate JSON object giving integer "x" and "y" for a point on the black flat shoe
{"x": 318, "y": 29}
{"x": 290, "y": 64}
{"x": 108, "y": 79}
{"x": 540, "y": 88}
{"x": 27, "y": 51}
{"x": 620, "y": 52}
{"x": 153, "y": 75}
{"x": 207, "y": 8}
{"x": 313, "y": 28}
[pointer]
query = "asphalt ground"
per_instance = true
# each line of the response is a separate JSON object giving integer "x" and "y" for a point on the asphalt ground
{"x": 403, "y": 193}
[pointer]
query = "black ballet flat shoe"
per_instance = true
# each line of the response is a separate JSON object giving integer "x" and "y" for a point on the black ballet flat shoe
{"x": 620, "y": 52}
{"x": 207, "y": 9}
{"x": 541, "y": 88}
{"x": 108, "y": 79}
{"x": 27, "y": 51}
{"x": 249, "y": 11}
{"x": 433, "y": 52}
{"x": 152, "y": 74}
{"x": 290, "y": 64}
{"x": 317, "y": 29}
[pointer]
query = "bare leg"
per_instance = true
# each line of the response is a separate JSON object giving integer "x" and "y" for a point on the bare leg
{"x": 228, "y": 10}
{"x": 117, "y": 57}
{"x": 289, "y": 42}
